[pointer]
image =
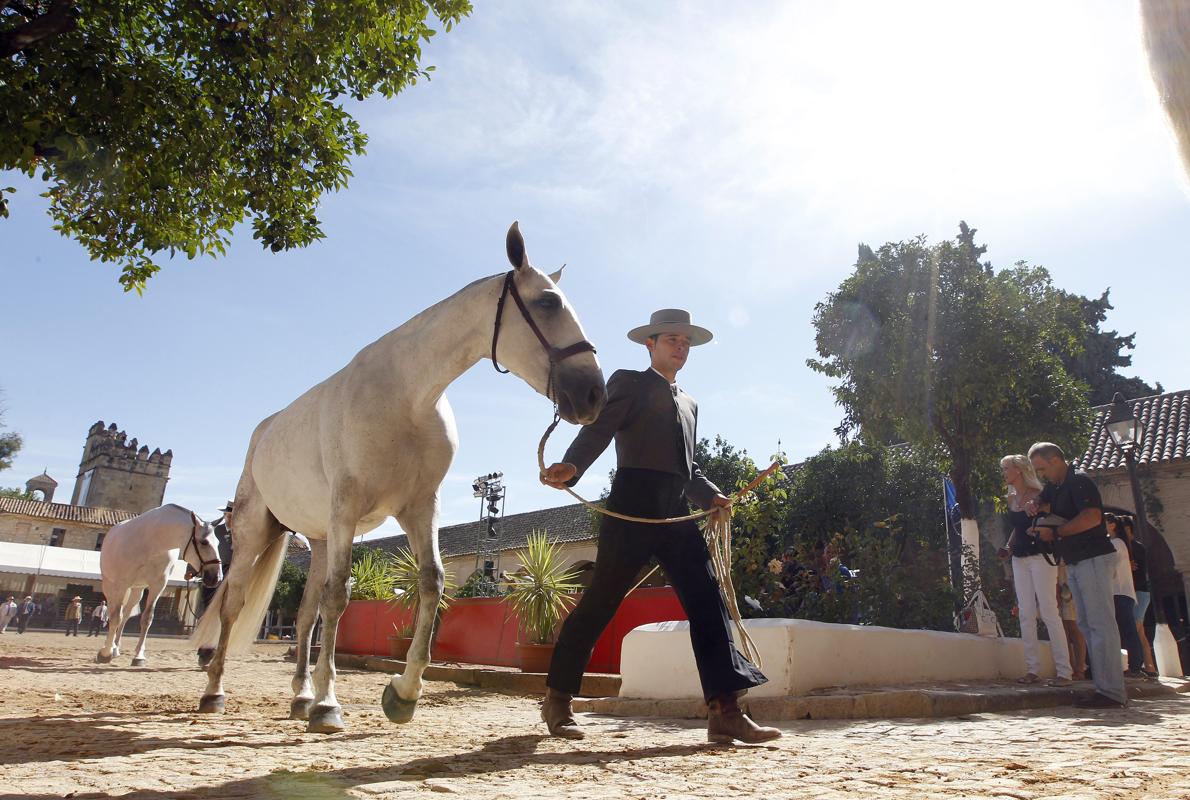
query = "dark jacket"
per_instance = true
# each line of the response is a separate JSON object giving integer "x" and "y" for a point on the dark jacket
{"x": 655, "y": 427}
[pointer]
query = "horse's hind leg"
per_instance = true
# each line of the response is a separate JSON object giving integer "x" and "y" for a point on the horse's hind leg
{"x": 131, "y": 600}
{"x": 303, "y": 689}
{"x": 326, "y": 715}
{"x": 117, "y": 599}
{"x": 146, "y": 620}
{"x": 255, "y": 528}
{"x": 420, "y": 523}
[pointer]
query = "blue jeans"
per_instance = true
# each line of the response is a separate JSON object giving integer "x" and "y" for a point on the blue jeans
{"x": 1126, "y": 624}
{"x": 1090, "y": 582}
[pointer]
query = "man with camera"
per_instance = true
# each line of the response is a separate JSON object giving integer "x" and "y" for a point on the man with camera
{"x": 1080, "y": 539}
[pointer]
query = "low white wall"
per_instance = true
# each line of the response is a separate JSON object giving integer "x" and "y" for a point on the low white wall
{"x": 656, "y": 661}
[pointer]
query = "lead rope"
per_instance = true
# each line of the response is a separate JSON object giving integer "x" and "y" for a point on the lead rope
{"x": 716, "y": 531}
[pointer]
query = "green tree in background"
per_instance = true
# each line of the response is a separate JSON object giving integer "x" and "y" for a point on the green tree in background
{"x": 933, "y": 347}
{"x": 159, "y": 126}
{"x": 10, "y": 444}
{"x": 1103, "y": 354}
{"x": 291, "y": 583}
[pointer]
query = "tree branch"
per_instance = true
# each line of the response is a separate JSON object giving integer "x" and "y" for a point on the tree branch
{"x": 58, "y": 20}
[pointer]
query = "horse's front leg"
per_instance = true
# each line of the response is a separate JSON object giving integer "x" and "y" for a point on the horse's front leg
{"x": 303, "y": 688}
{"x": 325, "y": 715}
{"x": 146, "y": 620}
{"x": 403, "y": 691}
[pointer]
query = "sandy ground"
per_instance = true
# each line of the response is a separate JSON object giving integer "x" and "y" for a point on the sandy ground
{"x": 71, "y": 728}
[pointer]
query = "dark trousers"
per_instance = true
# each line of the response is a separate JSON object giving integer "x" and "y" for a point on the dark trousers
{"x": 72, "y": 626}
{"x": 625, "y": 548}
{"x": 23, "y": 622}
{"x": 1129, "y": 636}
{"x": 96, "y": 626}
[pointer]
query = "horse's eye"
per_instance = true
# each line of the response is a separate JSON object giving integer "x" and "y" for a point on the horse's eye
{"x": 549, "y": 302}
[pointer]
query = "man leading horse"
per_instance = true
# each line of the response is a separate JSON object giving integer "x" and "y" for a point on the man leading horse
{"x": 654, "y": 424}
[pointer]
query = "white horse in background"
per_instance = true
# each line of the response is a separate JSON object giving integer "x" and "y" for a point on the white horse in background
{"x": 375, "y": 440}
{"x": 140, "y": 553}
{"x": 1166, "y": 26}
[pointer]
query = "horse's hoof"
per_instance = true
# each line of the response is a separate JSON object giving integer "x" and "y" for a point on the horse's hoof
{"x": 300, "y": 707}
{"x": 100, "y": 658}
{"x": 138, "y": 662}
{"x": 211, "y": 704}
{"x": 325, "y": 719}
{"x": 397, "y": 710}
{"x": 205, "y": 654}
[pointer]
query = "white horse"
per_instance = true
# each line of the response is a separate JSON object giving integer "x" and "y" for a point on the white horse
{"x": 140, "y": 553}
{"x": 375, "y": 440}
{"x": 1166, "y": 26}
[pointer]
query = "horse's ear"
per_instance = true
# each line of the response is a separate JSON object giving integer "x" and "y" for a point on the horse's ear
{"x": 556, "y": 277}
{"x": 515, "y": 244}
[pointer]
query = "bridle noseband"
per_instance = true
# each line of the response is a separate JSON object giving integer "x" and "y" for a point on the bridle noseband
{"x": 556, "y": 354}
{"x": 193, "y": 542}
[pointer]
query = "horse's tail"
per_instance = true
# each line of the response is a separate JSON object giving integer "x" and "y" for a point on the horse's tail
{"x": 259, "y": 592}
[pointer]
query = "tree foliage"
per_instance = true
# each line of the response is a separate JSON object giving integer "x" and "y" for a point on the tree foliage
{"x": 159, "y": 126}
{"x": 1103, "y": 354}
{"x": 291, "y": 583}
{"x": 933, "y": 347}
{"x": 10, "y": 444}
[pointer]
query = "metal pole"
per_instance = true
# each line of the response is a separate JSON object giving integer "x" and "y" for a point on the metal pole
{"x": 1142, "y": 521}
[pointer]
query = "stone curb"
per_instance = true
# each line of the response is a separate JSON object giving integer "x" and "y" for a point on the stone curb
{"x": 594, "y": 685}
{"x": 878, "y": 703}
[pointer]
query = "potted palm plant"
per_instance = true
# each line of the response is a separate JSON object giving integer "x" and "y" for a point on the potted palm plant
{"x": 540, "y": 597}
{"x": 404, "y": 574}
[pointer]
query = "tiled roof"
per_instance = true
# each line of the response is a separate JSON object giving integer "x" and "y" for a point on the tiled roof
{"x": 64, "y": 512}
{"x": 570, "y": 523}
{"x": 86, "y": 515}
{"x": 1166, "y": 420}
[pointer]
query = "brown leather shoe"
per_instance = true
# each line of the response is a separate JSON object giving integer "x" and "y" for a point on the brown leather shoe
{"x": 727, "y": 723}
{"x": 558, "y": 716}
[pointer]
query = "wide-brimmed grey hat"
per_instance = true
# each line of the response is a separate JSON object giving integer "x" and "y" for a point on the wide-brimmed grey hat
{"x": 671, "y": 320}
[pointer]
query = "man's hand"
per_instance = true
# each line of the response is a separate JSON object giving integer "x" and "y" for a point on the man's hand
{"x": 1032, "y": 507}
{"x": 1003, "y": 553}
{"x": 721, "y": 501}
{"x": 558, "y": 474}
{"x": 1046, "y": 534}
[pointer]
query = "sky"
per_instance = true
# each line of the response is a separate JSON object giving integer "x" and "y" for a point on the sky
{"x": 671, "y": 154}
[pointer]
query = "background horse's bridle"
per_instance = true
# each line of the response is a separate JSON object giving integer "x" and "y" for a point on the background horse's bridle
{"x": 193, "y": 542}
{"x": 556, "y": 354}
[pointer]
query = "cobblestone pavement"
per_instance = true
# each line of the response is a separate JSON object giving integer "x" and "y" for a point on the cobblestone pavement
{"x": 71, "y": 728}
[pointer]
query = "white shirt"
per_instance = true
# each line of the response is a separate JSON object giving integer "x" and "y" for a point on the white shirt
{"x": 1122, "y": 576}
{"x": 667, "y": 380}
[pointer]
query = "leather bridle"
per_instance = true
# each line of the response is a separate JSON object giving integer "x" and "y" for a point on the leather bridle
{"x": 555, "y": 354}
{"x": 193, "y": 542}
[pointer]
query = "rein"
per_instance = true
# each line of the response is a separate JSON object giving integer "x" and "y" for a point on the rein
{"x": 716, "y": 531}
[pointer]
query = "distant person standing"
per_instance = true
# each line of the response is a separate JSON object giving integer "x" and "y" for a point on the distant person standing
{"x": 25, "y": 613}
{"x": 1124, "y": 596}
{"x": 1090, "y": 565}
{"x": 8, "y": 610}
{"x": 1140, "y": 582}
{"x": 98, "y": 619}
{"x": 74, "y": 615}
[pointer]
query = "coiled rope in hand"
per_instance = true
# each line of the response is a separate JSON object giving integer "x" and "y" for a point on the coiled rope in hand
{"x": 716, "y": 531}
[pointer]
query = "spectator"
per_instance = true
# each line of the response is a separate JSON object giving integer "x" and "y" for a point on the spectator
{"x": 1124, "y": 596}
{"x": 74, "y": 615}
{"x": 1081, "y": 541}
{"x": 8, "y": 610}
{"x": 1035, "y": 577}
{"x": 1140, "y": 582}
{"x": 25, "y": 612}
{"x": 1076, "y": 644}
{"x": 98, "y": 619}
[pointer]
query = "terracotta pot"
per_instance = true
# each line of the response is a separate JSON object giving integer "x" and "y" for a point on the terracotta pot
{"x": 398, "y": 646}
{"x": 535, "y": 657}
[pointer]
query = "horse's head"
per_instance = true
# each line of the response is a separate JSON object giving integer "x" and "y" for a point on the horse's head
{"x": 203, "y": 554}
{"x": 577, "y": 381}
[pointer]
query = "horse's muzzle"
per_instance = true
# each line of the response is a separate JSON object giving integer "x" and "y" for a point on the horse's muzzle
{"x": 581, "y": 394}
{"x": 212, "y": 577}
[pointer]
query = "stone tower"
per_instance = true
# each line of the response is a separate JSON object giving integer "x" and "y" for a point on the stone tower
{"x": 114, "y": 473}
